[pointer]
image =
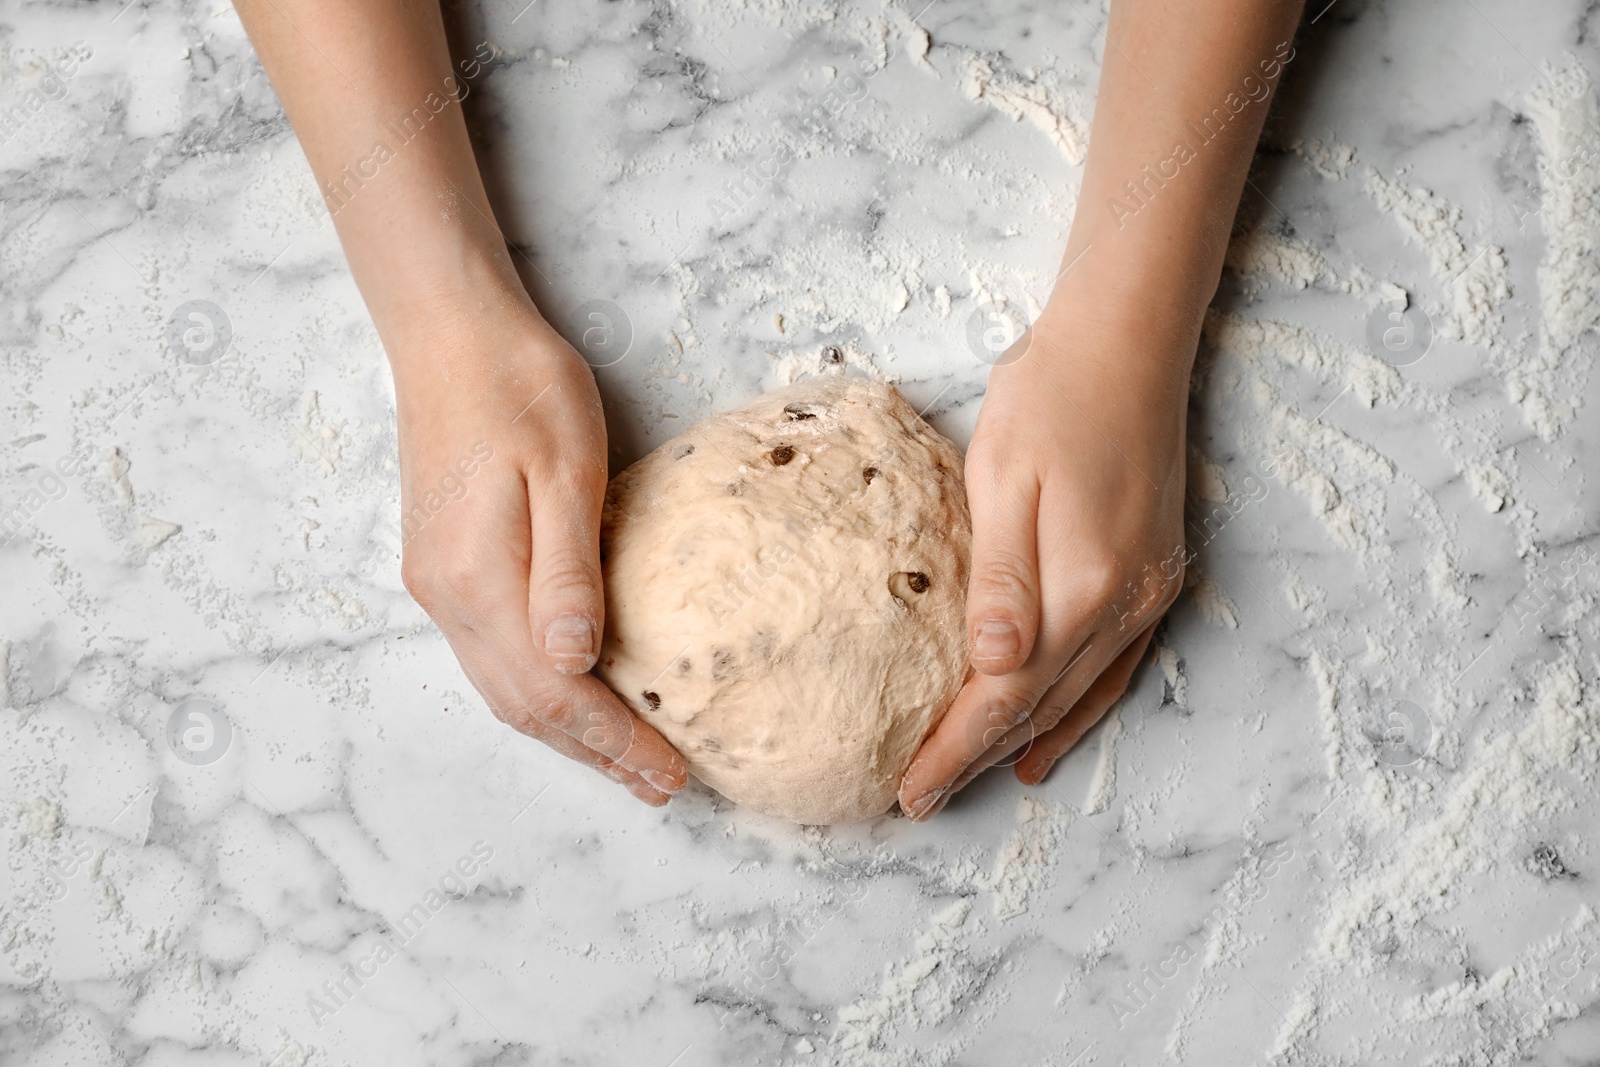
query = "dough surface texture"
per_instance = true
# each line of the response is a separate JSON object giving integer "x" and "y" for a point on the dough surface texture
{"x": 786, "y": 593}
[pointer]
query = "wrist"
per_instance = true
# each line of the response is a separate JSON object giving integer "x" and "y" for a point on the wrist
{"x": 432, "y": 269}
{"x": 1119, "y": 332}
{"x": 475, "y": 310}
{"x": 1164, "y": 275}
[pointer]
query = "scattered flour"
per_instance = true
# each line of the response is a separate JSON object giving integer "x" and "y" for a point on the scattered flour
{"x": 1511, "y": 783}
{"x": 1304, "y": 597}
{"x": 1505, "y": 787}
{"x": 1027, "y": 860}
{"x": 116, "y": 474}
{"x": 1172, "y": 671}
{"x": 40, "y": 818}
{"x": 1312, "y": 455}
{"x": 1331, "y": 161}
{"x": 1328, "y": 713}
{"x": 1216, "y": 607}
{"x": 1505, "y": 1014}
{"x": 1225, "y": 940}
{"x": 827, "y": 360}
{"x": 1475, "y": 281}
{"x": 1489, "y": 484}
{"x": 1445, "y": 581}
{"x": 1265, "y": 251}
{"x": 1206, "y": 480}
{"x": 1262, "y": 343}
{"x": 1103, "y": 786}
{"x": 918, "y": 44}
{"x": 1548, "y": 384}
{"x": 1390, "y": 293}
{"x": 152, "y": 533}
{"x": 1298, "y": 1023}
{"x": 919, "y": 992}
{"x": 317, "y": 440}
{"x": 1032, "y": 98}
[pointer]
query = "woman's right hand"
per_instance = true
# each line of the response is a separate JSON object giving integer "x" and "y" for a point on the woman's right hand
{"x": 505, "y": 558}
{"x": 503, "y": 473}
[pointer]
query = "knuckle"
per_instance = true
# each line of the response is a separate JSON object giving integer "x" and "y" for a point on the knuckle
{"x": 583, "y": 718}
{"x": 994, "y": 723}
{"x": 986, "y": 454}
{"x": 1160, "y": 583}
{"x": 1002, "y": 576}
{"x": 1001, "y": 713}
{"x": 567, "y": 575}
{"x": 603, "y": 735}
{"x": 1149, "y": 596}
{"x": 508, "y": 715}
{"x": 1049, "y": 715}
{"x": 530, "y": 715}
{"x": 418, "y": 575}
{"x": 567, "y": 477}
{"x": 600, "y": 729}
{"x": 1100, "y": 581}
{"x": 502, "y": 711}
{"x": 991, "y": 465}
{"x": 458, "y": 582}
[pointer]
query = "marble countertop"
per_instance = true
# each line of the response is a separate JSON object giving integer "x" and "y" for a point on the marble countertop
{"x": 1339, "y": 819}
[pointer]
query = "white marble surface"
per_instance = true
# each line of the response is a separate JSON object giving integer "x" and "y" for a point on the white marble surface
{"x": 1344, "y": 903}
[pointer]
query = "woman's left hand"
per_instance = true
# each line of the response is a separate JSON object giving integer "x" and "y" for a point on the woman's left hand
{"x": 1075, "y": 477}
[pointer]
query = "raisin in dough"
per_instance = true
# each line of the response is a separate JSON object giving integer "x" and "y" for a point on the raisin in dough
{"x": 785, "y": 596}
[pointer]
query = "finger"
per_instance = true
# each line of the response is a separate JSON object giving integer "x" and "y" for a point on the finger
{"x": 1006, "y": 751}
{"x": 985, "y": 712}
{"x": 637, "y": 786}
{"x": 1003, "y": 592}
{"x": 1089, "y": 709}
{"x": 566, "y": 604}
{"x": 1018, "y": 742}
{"x": 499, "y": 695}
{"x": 582, "y": 708}
{"x": 995, "y": 712}
{"x": 477, "y": 582}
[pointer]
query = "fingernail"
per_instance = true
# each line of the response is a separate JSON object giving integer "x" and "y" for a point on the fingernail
{"x": 661, "y": 780}
{"x": 923, "y": 804}
{"x": 570, "y": 638}
{"x": 996, "y": 640}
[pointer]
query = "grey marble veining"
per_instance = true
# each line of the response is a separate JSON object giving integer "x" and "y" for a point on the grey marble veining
{"x": 375, "y": 871}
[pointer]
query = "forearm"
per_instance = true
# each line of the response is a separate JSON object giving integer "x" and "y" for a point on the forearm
{"x": 370, "y": 89}
{"x": 1184, "y": 89}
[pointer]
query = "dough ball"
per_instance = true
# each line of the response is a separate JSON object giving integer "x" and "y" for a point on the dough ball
{"x": 785, "y": 596}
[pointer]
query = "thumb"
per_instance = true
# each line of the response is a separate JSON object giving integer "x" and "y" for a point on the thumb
{"x": 566, "y": 604}
{"x": 1003, "y": 593}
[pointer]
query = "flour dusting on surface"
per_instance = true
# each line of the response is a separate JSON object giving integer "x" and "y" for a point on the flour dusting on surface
{"x": 1103, "y": 786}
{"x": 1548, "y": 383}
{"x": 1474, "y": 279}
{"x": 1033, "y": 98}
{"x": 1027, "y": 860}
